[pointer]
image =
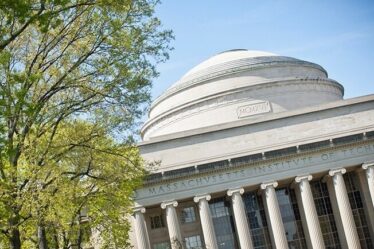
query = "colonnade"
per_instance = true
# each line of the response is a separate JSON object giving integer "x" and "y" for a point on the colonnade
{"x": 276, "y": 227}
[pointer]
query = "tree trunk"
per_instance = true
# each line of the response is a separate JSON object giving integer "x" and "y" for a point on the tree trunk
{"x": 15, "y": 240}
{"x": 79, "y": 241}
{"x": 55, "y": 238}
{"x": 42, "y": 238}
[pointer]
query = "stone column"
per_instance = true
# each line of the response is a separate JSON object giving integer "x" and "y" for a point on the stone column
{"x": 172, "y": 221}
{"x": 240, "y": 216}
{"x": 274, "y": 216}
{"x": 206, "y": 221}
{"x": 369, "y": 172}
{"x": 366, "y": 181}
{"x": 344, "y": 207}
{"x": 309, "y": 209}
{"x": 141, "y": 229}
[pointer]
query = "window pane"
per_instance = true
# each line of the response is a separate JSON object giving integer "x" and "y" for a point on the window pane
{"x": 257, "y": 220}
{"x": 291, "y": 218}
{"x": 223, "y": 224}
{"x": 193, "y": 242}
{"x": 188, "y": 215}
{"x": 353, "y": 189}
{"x": 157, "y": 221}
{"x": 325, "y": 215}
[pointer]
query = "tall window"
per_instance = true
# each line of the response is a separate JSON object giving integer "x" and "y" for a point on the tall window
{"x": 257, "y": 220}
{"x": 353, "y": 190}
{"x": 157, "y": 221}
{"x": 325, "y": 215}
{"x": 223, "y": 224}
{"x": 188, "y": 215}
{"x": 291, "y": 218}
{"x": 193, "y": 242}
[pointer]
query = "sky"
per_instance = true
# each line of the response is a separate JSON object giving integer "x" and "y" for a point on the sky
{"x": 338, "y": 35}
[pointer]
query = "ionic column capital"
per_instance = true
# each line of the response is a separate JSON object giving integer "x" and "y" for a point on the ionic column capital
{"x": 368, "y": 165}
{"x": 197, "y": 198}
{"x": 334, "y": 172}
{"x": 165, "y": 204}
{"x": 265, "y": 185}
{"x": 369, "y": 175}
{"x": 139, "y": 209}
{"x": 240, "y": 191}
{"x": 298, "y": 179}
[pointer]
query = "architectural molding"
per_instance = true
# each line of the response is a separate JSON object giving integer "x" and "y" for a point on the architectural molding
{"x": 139, "y": 210}
{"x": 165, "y": 204}
{"x": 334, "y": 172}
{"x": 266, "y": 185}
{"x": 312, "y": 110}
{"x": 206, "y": 197}
{"x": 298, "y": 179}
{"x": 231, "y": 192}
{"x": 367, "y": 165}
{"x": 255, "y": 173}
{"x": 248, "y": 93}
{"x": 251, "y": 64}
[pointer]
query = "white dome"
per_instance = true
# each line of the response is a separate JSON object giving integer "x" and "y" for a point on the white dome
{"x": 226, "y": 56}
{"x": 238, "y": 84}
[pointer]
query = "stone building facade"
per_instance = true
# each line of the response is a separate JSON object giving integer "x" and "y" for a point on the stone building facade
{"x": 257, "y": 150}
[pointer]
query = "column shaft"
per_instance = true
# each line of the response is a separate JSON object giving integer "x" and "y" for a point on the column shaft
{"x": 365, "y": 180}
{"x": 141, "y": 229}
{"x": 275, "y": 219}
{"x": 240, "y": 216}
{"x": 345, "y": 210}
{"x": 369, "y": 172}
{"x": 172, "y": 221}
{"x": 206, "y": 221}
{"x": 314, "y": 232}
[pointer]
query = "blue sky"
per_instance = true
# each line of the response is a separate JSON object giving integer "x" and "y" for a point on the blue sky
{"x": 338, "y": 35}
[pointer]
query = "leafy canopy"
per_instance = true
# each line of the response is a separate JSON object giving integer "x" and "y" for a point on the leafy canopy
{"x": 75, "y": 78}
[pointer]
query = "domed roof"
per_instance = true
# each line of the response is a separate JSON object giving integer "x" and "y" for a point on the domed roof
{"x": 237, "y": 84}
{"x": 226, "y": 56}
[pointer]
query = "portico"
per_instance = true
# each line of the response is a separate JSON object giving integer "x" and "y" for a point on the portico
{"x": 314, "y": 238}
{"x": 257, "y": 151}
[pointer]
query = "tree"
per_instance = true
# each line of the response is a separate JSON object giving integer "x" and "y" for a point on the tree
{"x": 75, "y": 78}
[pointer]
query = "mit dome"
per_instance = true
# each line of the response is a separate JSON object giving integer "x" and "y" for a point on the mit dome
{"x": 239, "y": 84}
{"x": 257, "y": 150}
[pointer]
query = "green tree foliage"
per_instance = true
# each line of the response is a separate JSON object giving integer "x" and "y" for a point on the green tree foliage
{"x": 75, "y": 78}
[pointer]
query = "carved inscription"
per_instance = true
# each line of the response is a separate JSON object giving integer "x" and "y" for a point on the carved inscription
{"x": 255, "y": 171}
{"x": 253, "y": 109}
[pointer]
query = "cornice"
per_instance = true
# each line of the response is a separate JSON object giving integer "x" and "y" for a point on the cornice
{"x": 264, "y": 160}
{"x": 265, "y": 118}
